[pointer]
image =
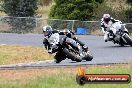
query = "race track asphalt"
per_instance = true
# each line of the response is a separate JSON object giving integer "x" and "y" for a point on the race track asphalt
{"x": 103, "y": 52}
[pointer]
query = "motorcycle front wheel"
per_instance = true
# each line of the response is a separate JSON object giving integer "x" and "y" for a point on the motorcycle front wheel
{"x": 58, "y": 57}
{"x": 128, "y": 39}
{"x": 88, "y": 56}
{"x": 72, "y": 55}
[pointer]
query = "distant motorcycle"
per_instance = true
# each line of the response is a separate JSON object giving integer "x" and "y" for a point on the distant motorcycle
{"x": 118, "y": 35}
{"x": 64, "y": 50}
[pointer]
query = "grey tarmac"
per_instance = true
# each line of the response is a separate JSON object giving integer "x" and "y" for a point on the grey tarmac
{"x": 103, "y": 52}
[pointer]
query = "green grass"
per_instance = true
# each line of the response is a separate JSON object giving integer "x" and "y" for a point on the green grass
{"x": 68, "y": 81}
{"x": 111, "y": 70}
{"x": 66, "y": 78}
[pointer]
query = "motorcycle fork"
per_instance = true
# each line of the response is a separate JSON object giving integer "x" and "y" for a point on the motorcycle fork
{"x": 72, "y": 49}
{"x": 123, "y": 38}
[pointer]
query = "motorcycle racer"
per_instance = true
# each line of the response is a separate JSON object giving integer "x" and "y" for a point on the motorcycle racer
{"x": 48, "y": 32}
{"x": 106, "y": 23}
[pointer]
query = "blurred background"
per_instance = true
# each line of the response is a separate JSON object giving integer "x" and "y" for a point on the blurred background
{"x": 80, "y": 16}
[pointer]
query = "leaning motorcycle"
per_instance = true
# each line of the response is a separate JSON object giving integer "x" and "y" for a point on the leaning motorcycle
{"x": 118, "y": 35}
{"x": 65, "y": 50}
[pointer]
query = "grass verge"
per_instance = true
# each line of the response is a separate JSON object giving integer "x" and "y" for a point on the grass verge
{"x": 59, "y": 77}
{"x": 12, "y": 54}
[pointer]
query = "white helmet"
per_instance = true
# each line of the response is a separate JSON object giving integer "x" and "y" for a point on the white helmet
{"x": 47, "y": 29}
{"x": 106, "y": 17}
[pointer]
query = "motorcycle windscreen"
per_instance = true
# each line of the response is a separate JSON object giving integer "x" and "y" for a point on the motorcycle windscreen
{"x": 115, "y": 27}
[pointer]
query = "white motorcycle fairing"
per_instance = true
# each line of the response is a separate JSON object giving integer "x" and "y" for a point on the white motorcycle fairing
{"x": 120, "y": 34}
{"x": 53, "y": 41}
{"x": 115, "y": 27}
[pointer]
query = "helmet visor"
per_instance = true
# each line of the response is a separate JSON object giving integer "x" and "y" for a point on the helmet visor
{"x": 45, "y": 33}
{"x": 106, "y": 20}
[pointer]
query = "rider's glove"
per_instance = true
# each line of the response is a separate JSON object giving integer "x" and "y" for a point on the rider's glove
{"x": 85, "y": 48}
{"x": 50, "y": 51}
